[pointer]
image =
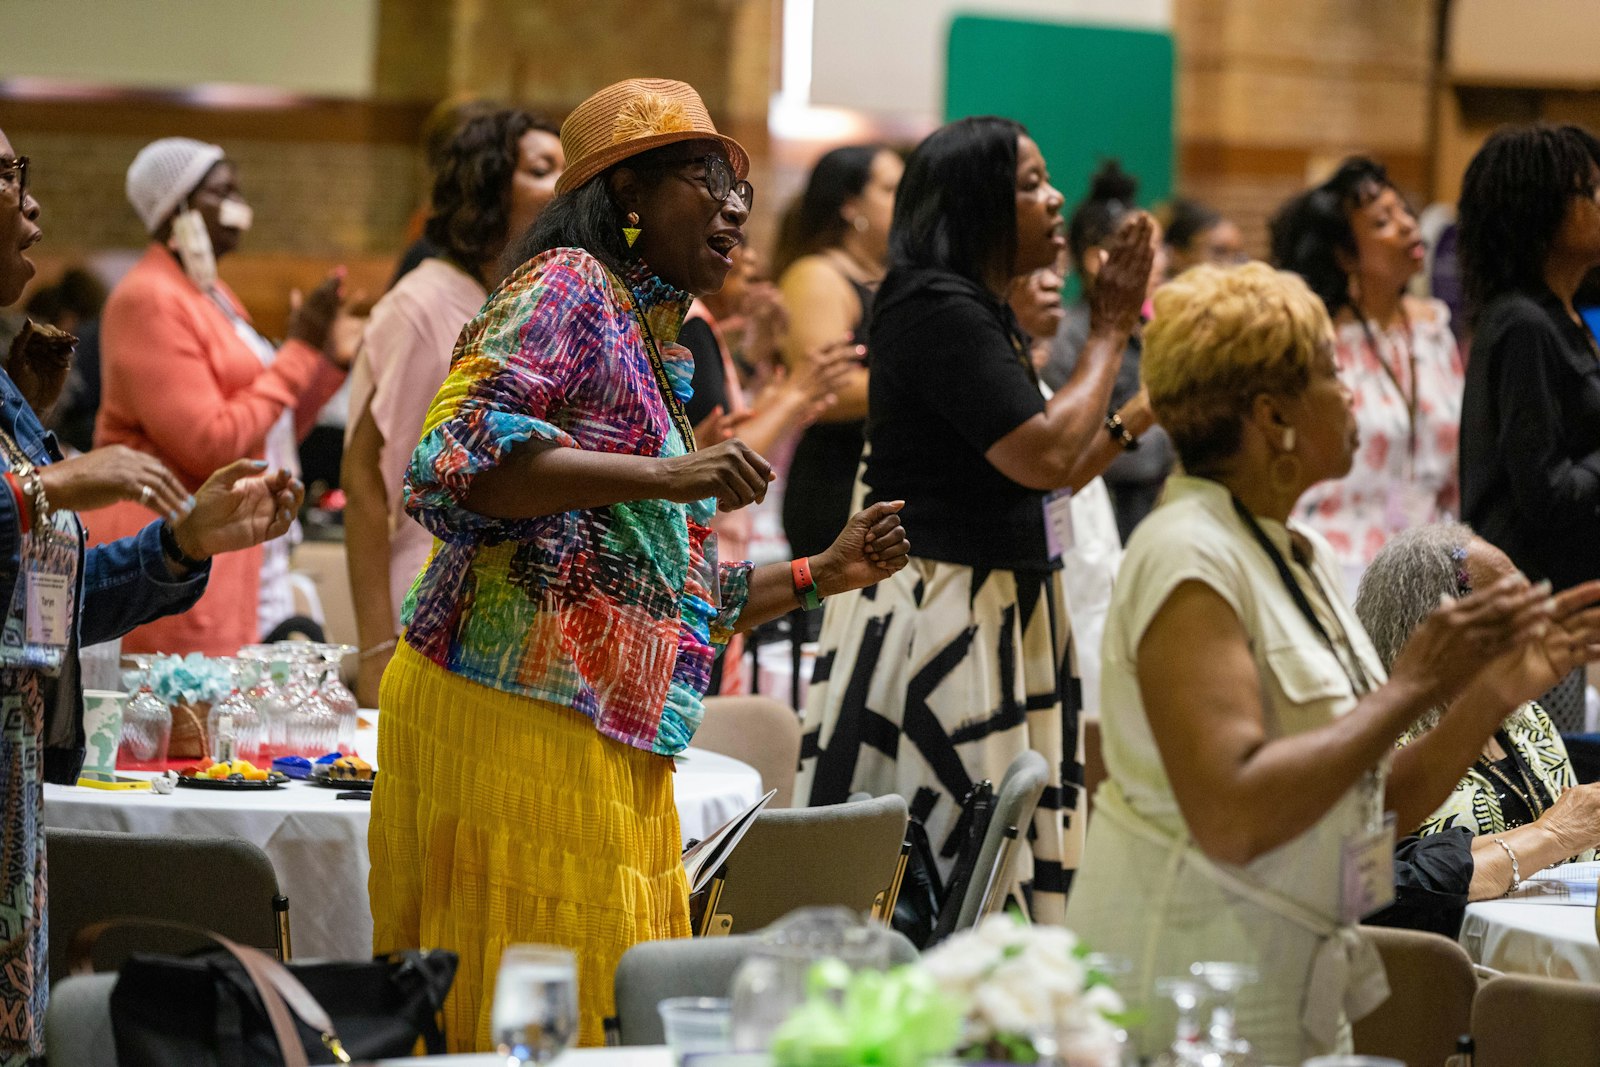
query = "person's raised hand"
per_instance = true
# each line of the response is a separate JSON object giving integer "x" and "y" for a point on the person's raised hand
{"x": 766, "y": 318}
{"x": 39, "y": 361}
{"x": 823, "y": 371}
{"x": 241, "y": 505}
{"x": 312, "y": 316}
{"x": 731, "y": 471}
{"x": 1036, "y": 301}
{"x": 348, "y": 332}
{"x": 872, "y": 546}
{"x": 1123, "y": 280}
{"x": 1461, "y": 639}
{"x": 714, "y": 429}
{"x": 105, "y": 476}
{"x": 1572, "y": 640}
{"x": 1574, "y": 819}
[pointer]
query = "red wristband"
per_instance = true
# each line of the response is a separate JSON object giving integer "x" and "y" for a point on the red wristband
{"x": 805, "y": 587}
{"x": 24, "y": 517}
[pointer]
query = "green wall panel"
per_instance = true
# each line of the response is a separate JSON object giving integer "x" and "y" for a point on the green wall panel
{"x": 1086, "y": 93}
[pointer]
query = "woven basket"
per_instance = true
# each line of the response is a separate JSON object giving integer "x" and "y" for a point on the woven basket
{"x": 189, "y": 737}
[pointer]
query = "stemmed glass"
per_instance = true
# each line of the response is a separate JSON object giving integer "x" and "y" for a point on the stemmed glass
{"x": 535, "y": 1013}
{"x": 313, "y": 727}
{"x": 233, "y": 723}
{"x": 146, "y": 724}
{"x": 270, "y": 700}
{"x": 1188, "y": 1048}
{"x": 1115, "y": 970}
{"x": 337, "y": 695}
{"x": 1225, "y": 980}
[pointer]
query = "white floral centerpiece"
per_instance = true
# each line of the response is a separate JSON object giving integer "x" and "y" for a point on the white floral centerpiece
{"x": 1031, "y": 993}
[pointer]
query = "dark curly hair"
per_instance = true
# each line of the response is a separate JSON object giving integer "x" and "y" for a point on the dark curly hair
{"x": 956, "y": 209}
{"x": 1112, "y": 193}
{"x": 1311, "y": 229}
{"x": 588, "y": 217}
{"x": 472, "y": 190}
{"x": 813, "y": 223}
{"x": 1514, "y": 198}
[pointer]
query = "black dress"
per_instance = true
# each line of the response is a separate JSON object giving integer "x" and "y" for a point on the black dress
{"x": 822, "y": 475}
{"x": 1530, "y": 438}
{"x": 1530, "y": 450}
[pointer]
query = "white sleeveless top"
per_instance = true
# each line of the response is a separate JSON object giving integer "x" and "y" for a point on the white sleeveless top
{"x": 1144, "y": 891}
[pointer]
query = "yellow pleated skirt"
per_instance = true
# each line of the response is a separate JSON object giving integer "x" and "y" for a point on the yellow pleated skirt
{"x": 498, "y": 819}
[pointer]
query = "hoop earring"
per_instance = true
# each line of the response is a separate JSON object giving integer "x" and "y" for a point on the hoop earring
{"x": 630, "y": 232}
{"x": 1284, "y": 472}
{"x": 1285, "y": 467}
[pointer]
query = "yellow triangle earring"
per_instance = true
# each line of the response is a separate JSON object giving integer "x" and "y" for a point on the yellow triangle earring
{"x": 630, "y": 232}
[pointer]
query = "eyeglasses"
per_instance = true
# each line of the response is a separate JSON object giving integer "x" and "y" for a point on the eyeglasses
{"x": 717, "y": 177}
{"x": 15, "y": 173}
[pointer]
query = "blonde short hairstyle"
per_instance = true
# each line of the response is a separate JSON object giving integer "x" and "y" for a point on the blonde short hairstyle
{"x": 1219, "y": 338}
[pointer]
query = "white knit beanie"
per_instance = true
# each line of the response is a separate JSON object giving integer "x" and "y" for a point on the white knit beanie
{"x": 164, "y": 172}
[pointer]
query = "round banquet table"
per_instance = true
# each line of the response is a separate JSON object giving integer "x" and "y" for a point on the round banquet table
{"x": 318, "y": 843}
{"x": 1548, "y": 940}
{"x": 634, "y": 1056}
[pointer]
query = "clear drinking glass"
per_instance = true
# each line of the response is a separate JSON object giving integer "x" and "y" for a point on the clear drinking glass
{"x": 1224, "y": 980}
{"x": 1189, "y": 1047}
{"x": 233, "y": 722}
{"x": 773, "y": 979}
{"x": 1117, "y": 972}
{"x": 146, "y": 724}
{"x": 337, "y": 696}
{"x": 695, "y": 1026}
{"x": 270, "y": 700}
{"x": 535, "y": 1013}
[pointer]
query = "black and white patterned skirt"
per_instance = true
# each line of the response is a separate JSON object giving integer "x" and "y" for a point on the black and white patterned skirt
{"x": 936, "y": 679}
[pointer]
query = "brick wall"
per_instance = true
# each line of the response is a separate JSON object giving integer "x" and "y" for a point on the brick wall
{"x": 311, "y": 199}
{"x": 1271, "y": 95}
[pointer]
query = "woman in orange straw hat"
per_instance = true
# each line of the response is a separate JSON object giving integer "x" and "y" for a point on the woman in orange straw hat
{"x": 560, "y": 638}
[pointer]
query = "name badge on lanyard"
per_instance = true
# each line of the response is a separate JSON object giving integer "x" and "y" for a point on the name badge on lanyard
{"x": 38, "y": 627}
{"x": 1366, "y": 872}
{"x": 1058, "y": 535}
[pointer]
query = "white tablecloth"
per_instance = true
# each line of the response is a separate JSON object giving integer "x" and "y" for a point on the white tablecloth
{"x": 1553, "y": 940}
{"x": 318, "y": 844}
{"x": 637, "y": 1056}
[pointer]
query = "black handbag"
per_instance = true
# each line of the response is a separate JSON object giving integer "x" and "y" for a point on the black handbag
{"x": 917, "y": 908}
{"x": 236, "y": 1006}
{"x": 966, "y": 841}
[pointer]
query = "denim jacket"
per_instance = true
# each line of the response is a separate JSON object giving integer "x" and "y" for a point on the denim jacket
{"x": 120, "y": 585}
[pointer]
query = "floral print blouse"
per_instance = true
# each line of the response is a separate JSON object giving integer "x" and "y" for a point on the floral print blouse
{"x": 1475, "y": 801}
{"x": 1404, "y": 473}
{"x": 611, "y": 611}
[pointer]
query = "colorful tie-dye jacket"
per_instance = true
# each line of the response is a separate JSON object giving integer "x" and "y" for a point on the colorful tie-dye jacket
{"x": 613, "y": 611}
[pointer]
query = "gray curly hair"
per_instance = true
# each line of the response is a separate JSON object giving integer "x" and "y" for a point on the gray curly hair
{"x": 1404, "y": 582}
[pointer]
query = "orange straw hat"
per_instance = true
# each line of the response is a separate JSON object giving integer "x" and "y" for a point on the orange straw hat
{"x": 634, "y": 116}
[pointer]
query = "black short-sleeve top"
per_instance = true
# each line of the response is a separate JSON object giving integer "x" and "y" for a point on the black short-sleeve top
{"x": 1530, "y": 437}
{"x": 950, "y": 377}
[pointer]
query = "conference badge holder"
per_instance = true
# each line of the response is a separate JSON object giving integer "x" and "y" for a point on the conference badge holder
{"x": 1366, "y": 872}
{"x": 38, "y": 626}
{"x": 1058, "y": 535}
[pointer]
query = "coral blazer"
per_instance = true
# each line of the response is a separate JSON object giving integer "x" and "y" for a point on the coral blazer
{"x": 180, "y": 383}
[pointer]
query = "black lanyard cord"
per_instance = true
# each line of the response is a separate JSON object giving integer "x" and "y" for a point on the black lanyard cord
{"x": 1411, "y": 356}
{"x": 680, "y": 417}
{"x": 1360, "y": 681}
